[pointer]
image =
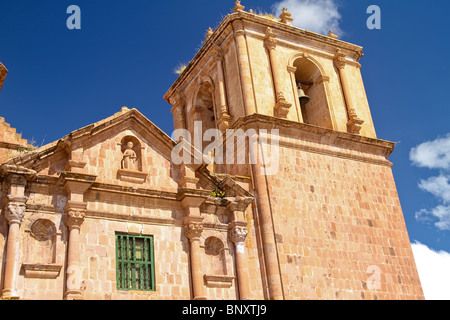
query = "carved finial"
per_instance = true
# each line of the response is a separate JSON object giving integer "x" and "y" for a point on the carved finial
{"x": 285, "y": 17}
{"x": 238, "y": 6}
{"x": 332, "y": 35}
{"x": 209, "y": 33}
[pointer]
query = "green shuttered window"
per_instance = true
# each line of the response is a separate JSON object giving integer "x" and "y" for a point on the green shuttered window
{"x": 135, "y": 263}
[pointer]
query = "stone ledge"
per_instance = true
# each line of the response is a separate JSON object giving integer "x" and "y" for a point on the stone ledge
{"x": 132, "y": 176}
{"x": 218, "y": 281}
{"x": 42, "y": 271}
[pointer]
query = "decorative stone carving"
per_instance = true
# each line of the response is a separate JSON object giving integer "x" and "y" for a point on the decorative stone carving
{"x": 43, "y": 229}
{"x": 238, "y": 6}
{"x": 238, "y": 234}
{"x": 193, "y": 230}
{"x": 209, "y": 33}
{"x": 270, "y": 40}
{"x": 332, "y": 35}
{"x": 129, "y": 160}
{"x": 339, "y": 59}
{"x": 282, "y": 106}
{"x": 75, "y": 217}
{"x": 354, "y": 123}
{"x": 131, "y": 165}
{"x": 285, "y": 17}
{"x": 217, "y": 53}
{"x": 15, "y": 210}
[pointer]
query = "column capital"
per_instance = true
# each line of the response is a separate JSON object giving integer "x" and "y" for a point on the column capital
{"x": 75, "y": 214}
{"x": 238, "y": 231}
{"x": 217, "y": 53}
{"x": 193, "y": 227}
{"x": 270, "y": 40}
{"x": 339, "y": 59}
{"x": 177, "y": 100}
{"x": 15, "y": 209}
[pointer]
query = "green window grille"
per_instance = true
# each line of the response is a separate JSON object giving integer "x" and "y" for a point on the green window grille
{"x": 135, "y": 262}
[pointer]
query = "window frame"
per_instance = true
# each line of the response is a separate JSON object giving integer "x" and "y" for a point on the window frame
{"x": 126, "y": 262}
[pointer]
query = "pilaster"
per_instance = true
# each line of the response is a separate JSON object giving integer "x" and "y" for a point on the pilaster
{"x": 75, "y": 185}
{"x": 281, "y": 106}
{"x": 16, "y": 179}
{"x": 354, "y": 123}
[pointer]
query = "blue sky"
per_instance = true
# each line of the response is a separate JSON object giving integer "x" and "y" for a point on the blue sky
{"x": 60, "y": 80}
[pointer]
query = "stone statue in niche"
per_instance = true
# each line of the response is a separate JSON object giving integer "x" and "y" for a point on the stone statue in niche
{"x": 129, "y": 160}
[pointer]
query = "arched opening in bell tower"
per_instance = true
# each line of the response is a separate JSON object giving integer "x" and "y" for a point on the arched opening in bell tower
{"x": 311, "y": 94}
{"x": 204, "y": 110}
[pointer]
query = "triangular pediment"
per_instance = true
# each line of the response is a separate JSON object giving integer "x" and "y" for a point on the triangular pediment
{"x": 98, "y": 150}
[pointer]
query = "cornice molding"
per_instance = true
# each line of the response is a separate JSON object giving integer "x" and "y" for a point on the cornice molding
{"x": 321, "y": 140}
{"x": 225, "y": 28}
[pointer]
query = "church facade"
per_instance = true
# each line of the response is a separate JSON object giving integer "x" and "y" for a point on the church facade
{"x": 120, "y": 210}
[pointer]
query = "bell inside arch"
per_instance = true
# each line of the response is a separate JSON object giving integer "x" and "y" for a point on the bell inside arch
{"x": 304, "y": 99}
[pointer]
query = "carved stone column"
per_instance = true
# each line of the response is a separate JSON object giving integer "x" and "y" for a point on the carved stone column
{"x": 225, "y": 118}
{"x": 244, "y": 68}
{"x": 75, "y": 185}
{"x": 281, "y": 105}
{"x": 14, "y": 213}
{"x": 354, "y": 123}
{"x": 75, "y": 214}
{"x": 237, "y": 232}
{"x": 193, "y": 229}
{"x": 16, "y": 178}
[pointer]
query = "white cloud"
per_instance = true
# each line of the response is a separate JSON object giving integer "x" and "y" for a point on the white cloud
{"x": 319, "y": 16}
{"x": 440, "y": 213}
{"x": 432, "y": 154}
{"x": 438, "y": 186}
{"x": 434, "y": 271}
{"x": 435, "y": 155}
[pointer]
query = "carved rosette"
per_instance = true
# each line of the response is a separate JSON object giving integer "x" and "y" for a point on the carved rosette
{"x": 270, "y": 40}
{"x": 75, "y": 217}
{"x": 238, "y": 234}
{"x": 193, "y": 230}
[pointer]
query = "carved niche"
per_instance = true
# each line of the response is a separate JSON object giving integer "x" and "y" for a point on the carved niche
{"x": 131, "y": 167}
{"x": 41, "y": 250}
{"x": 216, "y": 264}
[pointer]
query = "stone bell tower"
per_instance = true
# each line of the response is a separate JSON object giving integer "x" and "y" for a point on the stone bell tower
{"x": 328, "y": 222}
